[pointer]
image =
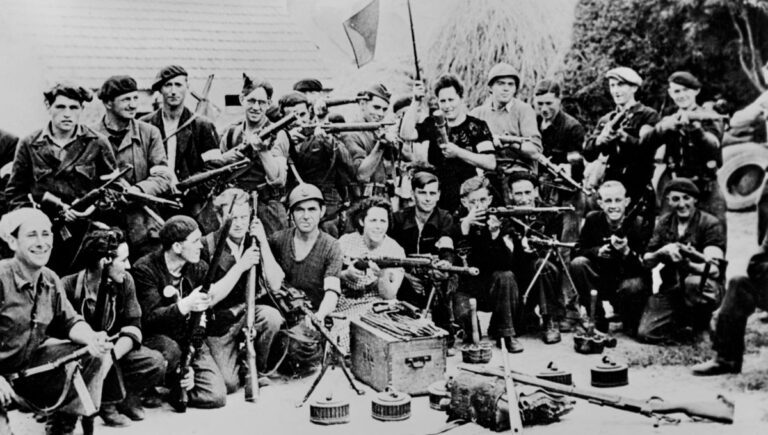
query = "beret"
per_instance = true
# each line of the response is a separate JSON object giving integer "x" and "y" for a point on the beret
{"x": 684, "y": 78}
{"x": 308, "y": 85}
{"x": 684, "y": 185}
{"x": 521, "y": 175}
{"x": 291, "y": 99}
{"x": 11, "y": 221}
{"x": 379, "y": 90}
{"x": 166, "y": 74}
{"x": 177, "y": 229}
{"x": 401, "y": 102}
{"x": 116, "y": 86}
{"x": 503, "y": 70}
{"x": 624, "y": 74}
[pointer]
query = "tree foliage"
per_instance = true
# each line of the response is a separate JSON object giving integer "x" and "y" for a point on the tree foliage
{"x": 723, "y": 42}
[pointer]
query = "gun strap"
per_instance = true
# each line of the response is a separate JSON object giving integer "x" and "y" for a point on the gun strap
{"x": 70, "y": 369}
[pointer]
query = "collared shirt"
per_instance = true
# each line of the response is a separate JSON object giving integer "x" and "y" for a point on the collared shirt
{"x": 41, "y": 166}
{"x": 414, "y": 240}
{"x": 29, "y": 313}
{"x": 255, "y": 176}
{"x": 563, "y": 135}
{"x": 353, "y": 246}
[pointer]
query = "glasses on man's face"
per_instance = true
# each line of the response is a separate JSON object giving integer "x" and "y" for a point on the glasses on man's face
{"x": 480, "y": 201}
{"x": 261, "y": 103}
{"x": 678, "y": 198}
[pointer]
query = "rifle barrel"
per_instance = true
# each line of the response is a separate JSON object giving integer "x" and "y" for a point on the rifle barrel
{"x": 202, "y": 177}
{"x": 516, "y": 211}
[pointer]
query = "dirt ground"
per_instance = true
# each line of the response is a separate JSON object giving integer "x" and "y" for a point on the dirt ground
{"x": 655, "y": 371}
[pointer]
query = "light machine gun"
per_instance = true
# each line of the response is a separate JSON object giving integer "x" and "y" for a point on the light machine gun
{"x": 422, "y": 261}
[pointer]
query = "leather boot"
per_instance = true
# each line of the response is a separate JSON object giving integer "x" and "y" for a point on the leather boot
{"x": 59, "y": 423}
{"x": 131, "y": 407}
{"x": 550, "y": 334}
{"x": 512, "y": 344}
{"x": 716, "y": 366}
{"x": 111, "y": 417}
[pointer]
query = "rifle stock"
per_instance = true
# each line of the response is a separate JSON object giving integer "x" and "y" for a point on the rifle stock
{"x": 720, "y": 410}
{"x": 251, "y": 389}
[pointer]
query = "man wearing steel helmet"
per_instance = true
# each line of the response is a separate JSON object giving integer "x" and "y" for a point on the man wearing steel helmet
{"x": 686, "y": 298}
{"x": 618, "y": 139}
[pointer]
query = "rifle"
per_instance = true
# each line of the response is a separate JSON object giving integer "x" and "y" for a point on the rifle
{"x": 509, "y": 139}
{"x": 100, "y": 320}
{"x": 128, "y": 196}
{"x": 702, "y": 116}
{"x": 340, "y": 127}
{"x": 550, "y": 243}
{"x": 51, "y": 365}
{"x": 558, "y": 171}
{"x": 422, "y": 261}
{"x": 695, "y": 256}
{"x": 522, "y": 210}
{"x": 720, "y": 410}
{"x": 195, "y": 327}
{"x": 269, "y": 130}
{"x": 203, "y": 177}
{"x": 251, "y": 389}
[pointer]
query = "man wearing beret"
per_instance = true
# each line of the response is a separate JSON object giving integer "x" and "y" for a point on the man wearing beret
{"x": 618, "y": 145}
{"x": 321, "y": 159}
{"x": 35, "y": 307}
{"x": 690, "y": 289}
{"x": 692, "y": 138}
{"x": 374, "y": 152}
{"x": 508, "y": 116}
{"x": 65, "y": 159}
{"x": 138, "y": 144}
{"x": 268, "y": 169}
{"x": 193, "y": 148}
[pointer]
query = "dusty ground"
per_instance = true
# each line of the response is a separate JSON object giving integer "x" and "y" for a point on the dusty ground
{"x": 650, "y": 375}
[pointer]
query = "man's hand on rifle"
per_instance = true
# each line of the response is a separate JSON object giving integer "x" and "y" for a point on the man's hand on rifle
{"x": 620, "y": 244}
{"x": 99, "y": 344}
{"x": 671, "y": 252}
{"x": 438, "y": 275}
{"x": 6, "y": 393}
{"x": 606, "y": 136}
{"x": 188, "y": 381}
{"x": 256, "y": 142}
{"x": 250, "y": 258}
{"x": 494, "y": 226}
{"x": 450, "y": 150}
{"x": 296, "y": 135}
{"x": 418, "y": 91}
{"x": 257, "y": 229}
{"x": 195, "y": 301}
{"x": 71, "y": 215}
{"x": 604, "y": 251}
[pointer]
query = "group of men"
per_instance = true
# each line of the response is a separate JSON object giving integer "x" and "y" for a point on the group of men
{"x": 106, "y": 250}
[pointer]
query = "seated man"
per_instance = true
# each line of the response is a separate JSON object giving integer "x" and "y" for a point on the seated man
{"x": 168, "y": 286}
{"x": 495, "y": 288}
{"x": 363, "y": 282}
{"x": 608, "y": 258}
{"x": 106, "y": 270}
{"x": 546, "y": 290}
{"x": 686, "y": 298}
{"x": 228, "y": 316}
{"x": 743, "y": 295}
{"x": 28, "y": 322}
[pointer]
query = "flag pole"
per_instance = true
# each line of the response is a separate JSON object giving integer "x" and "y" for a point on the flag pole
{"x": 413, "y": 41}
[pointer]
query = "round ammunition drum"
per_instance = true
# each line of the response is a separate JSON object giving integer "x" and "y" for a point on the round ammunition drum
{"x": 390, "y": 405}
{"x": 329, "y": 411}
{"x": 553, "y": 374}
{"x": 437, "y": 392}
{"x": 609, "y": 373}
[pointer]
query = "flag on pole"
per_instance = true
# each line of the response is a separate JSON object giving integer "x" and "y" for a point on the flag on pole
{"x": 361, "y": 29}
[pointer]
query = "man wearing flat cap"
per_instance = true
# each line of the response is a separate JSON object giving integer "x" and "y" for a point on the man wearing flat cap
{"x": 190, "y": 139}
{"x": 139, "y": 145}
{"x": 65, "y": 159}
{"x": 690, "y": 289}
{"x": 692, "y": 138}
{"x": 374, "y": 153}
{"x": 268, "y": 169}
{"x": 512, "y": 121}
{"x": 617, "y": 147}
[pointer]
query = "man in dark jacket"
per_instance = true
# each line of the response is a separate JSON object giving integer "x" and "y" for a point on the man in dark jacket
{"x": 193, "y": 148}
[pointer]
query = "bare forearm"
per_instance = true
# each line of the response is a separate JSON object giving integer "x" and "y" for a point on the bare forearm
{"x": 370, "y": 163}
{"x": 328, "y": 304}
{"x": 482, "y": 161}
{"x": 408, "y": 124}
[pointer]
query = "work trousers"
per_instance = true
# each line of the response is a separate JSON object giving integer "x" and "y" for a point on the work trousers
{"x": 627, "y": 294}
{"x": 496, "y": 292}
{"x": 673, "y": 309}
{"x": 225, "y": 349}
{"x": 546, "y": 293}
{"x": 741, "y": 298}
{"x": 209, "y": 390}
{"x": 142, "y": 368}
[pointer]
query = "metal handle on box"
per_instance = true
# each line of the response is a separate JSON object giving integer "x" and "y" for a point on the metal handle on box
{"x": 418, "y": 362}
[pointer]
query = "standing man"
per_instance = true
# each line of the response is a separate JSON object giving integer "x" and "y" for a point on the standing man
{"x": 66, "y": 159}
{"x": 688, "y": 295}
{"x": 608, "y": 258}
{"x": 618, "y": 140}
{"x": 138, "y": 144}
{"x": 194, "y": 144}
{"x": 28, "y": 321}
{"x": 508, "y": 116}
{"x": 268, "y": 170}
{"x": 692, "y": 138}
{"x": 469, "y": 145}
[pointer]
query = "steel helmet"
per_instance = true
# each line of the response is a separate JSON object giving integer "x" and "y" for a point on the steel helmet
{"x": 304, "y": 192}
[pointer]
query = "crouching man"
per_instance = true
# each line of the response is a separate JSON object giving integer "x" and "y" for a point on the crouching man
{"x": 35, "y": 307}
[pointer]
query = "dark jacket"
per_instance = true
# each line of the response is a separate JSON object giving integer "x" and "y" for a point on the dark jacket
{"x": 593, "y": 234}
{"x": 160, "y": 314}
{"x": 406, "y": 232}
{"x": 37, "y": 169}
{"x": 564, "y": 135}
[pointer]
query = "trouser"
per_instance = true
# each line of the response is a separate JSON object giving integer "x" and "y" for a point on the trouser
{"x": 225, "y": 349}
{"x": 670, "y": 311}
{"x": 741, "y": 298}
{"x": 546, "y": 293}
{"x": 495, "y": 292}
{"x": 142, "y": 368}
{"x": 627, "y": 295}
{"x": 209, "y": 390}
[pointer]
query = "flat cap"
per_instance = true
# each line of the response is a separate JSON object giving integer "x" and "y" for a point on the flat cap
{"x": 624, "y": 74}
{"x": 116, "y": 86}
{"x": 308, "y": 85}
{"x": 684, "y": 78}
{"x": 379, "y": 90}
{"x": 684, "y": 185}
{"x": 503, "y": 70}
{"x": 166, "y": 74}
